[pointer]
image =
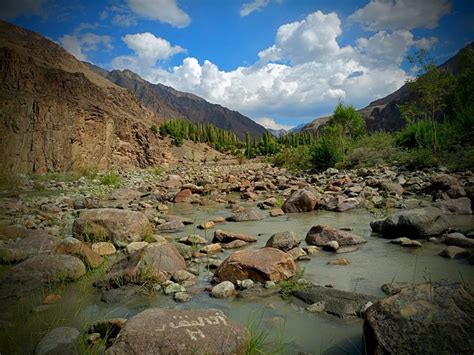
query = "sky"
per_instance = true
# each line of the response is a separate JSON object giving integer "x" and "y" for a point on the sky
{"x": 280, "y": 62}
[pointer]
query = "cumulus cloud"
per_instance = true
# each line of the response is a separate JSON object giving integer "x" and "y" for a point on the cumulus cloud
{"x": 268, "y": 122}
{"x": 302, "y": 75}
{"x": 79, "y": 44}
{"x": 401, "y": 14}
{"x": 250, "y": 7}
{"x": 166, "y": 11}
{"x": 11, "y": 9}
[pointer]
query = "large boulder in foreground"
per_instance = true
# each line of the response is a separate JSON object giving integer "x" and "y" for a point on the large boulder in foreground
{"x": 422, "y": 319}
{"x": 303, "y": 200}
{"x": 171, "y": 331}
{"x": 259, "y": 265}
{"x": 110, "y": 224}
{"x": 416, "y": 223}
{"x": 156, "y": 261}
{"x": 321, "y": 235}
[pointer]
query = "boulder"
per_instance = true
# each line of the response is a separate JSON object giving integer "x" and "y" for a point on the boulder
{"x": 259, "y": 265}
{"x": 276, "y": 212}
{"x": 206, "y": 225}
{"x": 234, "y": 244}
{"x": 135, "y": 246}
{"x": 459, "y": 206}
{"x": 35, "y": 244}
{"x": 406, "y": 242}
{"x": 62, "y": 340}
{"x": 454, "y": 252}
{"x": 184, "y": 196}
{"x": 211, "y": 249}
{"x": 303, "y": 200}
{"x": 416, "y": 223}
{"x": 223, "y": 290}
{"x": 422, "y": 319}
{"x": 247, "y": 214}
{"x": 155, "y": 262}
{"x": 184, "y": 220}
{"x": 73, "y": 246}
{"x": 193, "y": 239}
{"x": 171, "y": 226}
{"x": 459, "y": 240}
{"x": 104, "y": 248}
{"x": 332, "y": 301}
{"x": 172, "y": 331}
{"x": 284, "y": 241}
{"x": 321, "y": 235}
{"x": 221, "y": 236}
{"x": 109, "y": 224}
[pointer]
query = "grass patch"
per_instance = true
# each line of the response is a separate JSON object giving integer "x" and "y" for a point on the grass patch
{"x": 261, "y": 341}
{"x": 111, "y": 178}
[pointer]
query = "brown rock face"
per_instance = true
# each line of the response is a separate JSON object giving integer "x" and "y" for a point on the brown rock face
{"x": 422, "y": 319}
{"x": 109, "y": 224}
{"x": 170, "y": 331}
{"x": 80, "y": 249}
{"x": 303, "y": 200}
{"x": 59, "y": 115}
{"x": 321, "y": 235}
{"x": 260, "y": 265}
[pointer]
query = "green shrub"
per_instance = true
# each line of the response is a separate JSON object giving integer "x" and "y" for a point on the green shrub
{"x": 111, "y": 178}
{"x": 296, "y": 159}
{"x": 154, "y": 129}
{"x": 418, "y": 158}
{"x": 326, "y": 153}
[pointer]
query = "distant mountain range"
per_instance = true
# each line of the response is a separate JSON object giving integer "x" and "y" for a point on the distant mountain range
{"x": 383, "y": 114}
{"x": 173, "y": 104}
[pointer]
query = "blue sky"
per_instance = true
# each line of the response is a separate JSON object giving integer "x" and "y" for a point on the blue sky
{"x": 280, "y": 62}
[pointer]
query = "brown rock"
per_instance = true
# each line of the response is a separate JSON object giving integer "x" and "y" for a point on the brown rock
{"x": 234, "y": 244}
{"x": 227, "y": 237}
{"x": 206, "y": 225}
{"x": 275, "y": 212}
{"x": 211, "y": 248}
{"x": 104, "y": 248}
{"x": 184, "y": 196}
{"x": 303, "y": 200}
{"x": 259, "y": 265}
{"x": 320, "y": 235}
{"x": 80, "y": 249}
{"x": 171, "y": 331}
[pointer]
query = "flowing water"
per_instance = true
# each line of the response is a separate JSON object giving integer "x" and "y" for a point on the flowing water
{"x": 285, "y": 321}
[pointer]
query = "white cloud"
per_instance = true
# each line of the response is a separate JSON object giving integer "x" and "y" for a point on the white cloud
{"x": 302, "y": 75}
{"x": 401, "y": 14}
{"x": 11, "y": 9}
{"x": 166, "y": 11}
{"x": 250, "y": 7}
{"x": 426, "y": 43}
{"x": 268, "y": 122}
{"x": 78, "y": 44}
{"x": 124, "y": 20}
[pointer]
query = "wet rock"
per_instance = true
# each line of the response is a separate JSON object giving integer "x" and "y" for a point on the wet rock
{"x": 109, "y": 224}
{"x": 156, "y": 261}
{"x": 347, "y": 204}
{"x": 459, "y": 240}
{"x": 193, "y": 239}
{"x": 62, "y": 340}
{"x": 303, "y": 200}
{"x": 320, "y": 235}
{"x": 206, "y": 225}
{"x": 182, "y": 275}
{"x": 171, "y": 226}
{"x": 417, "y": 223}
{"x": 340, "y": 262}
{"x": 73, "y": 246}
{"x": 221, "y": 236}
{"x": 331, "y": 245}
{"x": 170, "y": 331}
{"x": 297, "y": 253}
{"x": 223, "y": 290}
{"x": 247, "y": 214}
{"x": 459, "y": 206}
{"x": 317, "y": 307}
{"x": 311, "y": 250}
{"x": 234, "y": 244}
{"x": 454, "y": 252}
{"x": 259, "y": 265}
{"x": 426, "y": 318}
{"x": 345, "y": 250}
{"x": 406, "y": 242}
{"x": 135, "y": 246}
{"x": 244, "y": 284}
{"x": 184, "y": 250}
{"x": 275, "y": 212}
{"x": 104, "y": 248}
{"x": 173, "y": 288}
{"x": 393, "y": 287}
{"x": 184, "y": 196}
{"x": 40, "y": 270}
{"x": 336, "y": 302}
{"x": 211, "y": 249}
{"x": 182, "y": 297}
{"x": 184, "y": 220}
{"x": 283, "y": 241}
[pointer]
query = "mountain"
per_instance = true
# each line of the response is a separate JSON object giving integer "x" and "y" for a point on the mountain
{"x": 58, "y": 115}
{"x": 298, "y": 128}
{"x": 383, "y": 114}
{"x": 277, "y": 132}
{"x": 172, "y": 104}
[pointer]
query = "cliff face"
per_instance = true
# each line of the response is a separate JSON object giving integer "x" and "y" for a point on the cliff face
{"x": 58, "y": 115}
{"x": 173, "y": 104}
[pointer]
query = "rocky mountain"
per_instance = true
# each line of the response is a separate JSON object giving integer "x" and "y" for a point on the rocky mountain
{"x": 172, "y": 104}
{"x": 58, "y": 115}
{"x": 277, "y": 132}
{"x": 383, "y": 114}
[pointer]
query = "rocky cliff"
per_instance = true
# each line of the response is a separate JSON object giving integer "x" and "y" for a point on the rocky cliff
{"x": 58, "y": 115}
{"x": 172, "y": 104}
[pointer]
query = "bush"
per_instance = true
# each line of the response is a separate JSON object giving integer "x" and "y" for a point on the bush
{"x": 326, "y": 153}
{"x": 296, "y": 159}
{"x": 154, "y": 129}
{"x": 415, "y": 135}
{"x": 418, "y": 158}
{"x": 111, "y": 178}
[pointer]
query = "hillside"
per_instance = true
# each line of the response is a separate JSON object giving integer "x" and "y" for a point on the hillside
{"x": 172, "y": 104}
{"x": 383, "y": 114}
{"x": 58, "y": 115}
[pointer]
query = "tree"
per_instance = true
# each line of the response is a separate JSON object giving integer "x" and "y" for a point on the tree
{"x": 430, "y": 90}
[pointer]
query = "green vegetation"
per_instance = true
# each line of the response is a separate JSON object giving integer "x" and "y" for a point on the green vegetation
{"x": 111, "y": 178}
{"x": 260, "y": 336}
